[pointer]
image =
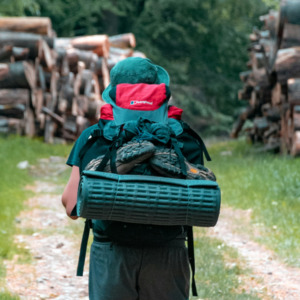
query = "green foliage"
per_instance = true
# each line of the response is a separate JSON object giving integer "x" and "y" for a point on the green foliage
{"x": 202, "y": 43}
{"x": 203, "y": 46}
{"x": 267, "y": 184}
{"x": 18, "y": 7}
{"x": 272, "y": 3}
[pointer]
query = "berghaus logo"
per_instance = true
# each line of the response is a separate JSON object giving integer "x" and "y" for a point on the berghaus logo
{"x": 134, "y": 102}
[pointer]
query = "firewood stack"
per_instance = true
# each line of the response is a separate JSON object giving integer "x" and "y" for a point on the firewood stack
{"x": 272, "y": 82}
{"x": 51, "y": 86}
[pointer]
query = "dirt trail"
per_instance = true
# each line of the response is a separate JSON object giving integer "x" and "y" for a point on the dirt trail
{"x": 269, "y": 274}
{"x": 54, "y": 248}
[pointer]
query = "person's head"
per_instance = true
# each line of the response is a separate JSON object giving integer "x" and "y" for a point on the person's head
{"x": 138, "y": 87}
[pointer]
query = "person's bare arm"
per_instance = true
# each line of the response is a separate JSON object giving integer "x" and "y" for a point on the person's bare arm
{"x": 69, "y": 196}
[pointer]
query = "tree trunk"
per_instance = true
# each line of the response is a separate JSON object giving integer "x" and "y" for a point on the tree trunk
{"x": 253, "y": 99}
{"x": 247, "y": 114}
{"x": 295, "y": 150}
{"x": 291, "y": 36}
{"x": 276, "y": 95}
{"x": 125, "y": 40}
{"x": 138, "y": 54}
{"x": 19, "y": 53}
{"x": 62, "y": 63}
{"x": 11, "y": 125}
{"x": 87, "y": 57}
{"x": 47, "y": 57}
{"x": 100, "y": 65}
{"x": 14, "y": 96}
{"x": 290, "y": 12}
{"x": 294, "y": 91}
{"x": 24, "y": 40}
{"x": 36, "y": 25}
{"x": 245, "y": 93}
{"x": 296, "y": 118}
{"x": 113, "y": 60}
{"x": 245, "y": 75}
{"x": 258, "y": 61}
{"x": 121, "y": 52}
{"x": 37, "y": 100}
{"x": 12, "y": 110}
{"x": 89, "y": 84}
{"x": 66, "y": 94}
{"x": 287, "y": 64}
{"x": 6, "y": 53}
{"x": 17, "y": 75}
{"x": 105, "y": 74}
{"x": 98, "y": 44}
{"x": 53, "y": 115}
{"x": 29, "y": 126}
{"x": 270, "y": 22}
{"x": 260, "y": 77}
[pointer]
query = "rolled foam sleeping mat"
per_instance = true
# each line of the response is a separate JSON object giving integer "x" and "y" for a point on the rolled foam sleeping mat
{"x": 148, "y": 199}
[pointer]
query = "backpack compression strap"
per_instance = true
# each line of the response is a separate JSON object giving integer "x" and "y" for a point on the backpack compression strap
{"x": 111, "y": 154}
{"x": 176, "y": 147}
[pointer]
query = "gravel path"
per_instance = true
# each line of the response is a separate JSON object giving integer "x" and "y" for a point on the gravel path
{"x": 52, "y": 272}
{"x": 269, "y": 273}
{"x": 47, "y": 234}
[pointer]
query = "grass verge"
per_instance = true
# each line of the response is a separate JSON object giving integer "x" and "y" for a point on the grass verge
{"x": 218, "y": 270}
{"x": 267, "y": 184}
{"x": 14, "y": 149}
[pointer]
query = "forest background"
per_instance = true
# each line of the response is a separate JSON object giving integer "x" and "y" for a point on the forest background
{"x": 202, "y": 43}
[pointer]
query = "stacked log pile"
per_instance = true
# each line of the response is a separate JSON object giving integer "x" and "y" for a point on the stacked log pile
{"x": 272, "y": 82}
{"x": 51, "y": 86}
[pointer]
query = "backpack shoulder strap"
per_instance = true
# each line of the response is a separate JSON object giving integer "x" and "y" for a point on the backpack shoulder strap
{"x": 95, "y": 134}
{"x": 195, "y": 135}
{"x": 191, "y": 254}
{"x": 84, "y": 242}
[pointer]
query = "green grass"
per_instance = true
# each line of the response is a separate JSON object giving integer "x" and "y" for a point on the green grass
{"x": 218, "y": 269}
{"x": 14, "y": 149}
{"x": 269, "y": 185}
{"x": 7, "y": 296}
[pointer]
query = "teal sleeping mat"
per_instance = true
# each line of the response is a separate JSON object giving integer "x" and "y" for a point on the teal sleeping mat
{"x": 148, "y": 199}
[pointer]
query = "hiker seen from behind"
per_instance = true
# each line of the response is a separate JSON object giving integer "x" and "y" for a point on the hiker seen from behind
{"x": 138, "y": 133}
